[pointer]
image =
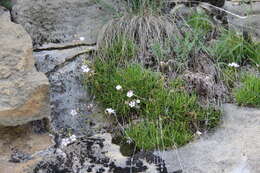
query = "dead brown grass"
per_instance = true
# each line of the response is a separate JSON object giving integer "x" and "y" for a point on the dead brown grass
{"x": 143, "y": 30}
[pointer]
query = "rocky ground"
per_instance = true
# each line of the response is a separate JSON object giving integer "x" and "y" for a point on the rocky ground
{"x": 62, "y": 38}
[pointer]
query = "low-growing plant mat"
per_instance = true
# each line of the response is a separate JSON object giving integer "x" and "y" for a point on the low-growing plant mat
{"x": 152, "y": 111}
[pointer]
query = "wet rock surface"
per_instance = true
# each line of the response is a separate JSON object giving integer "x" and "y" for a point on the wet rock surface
{"x": 23, "y": 91}
{"x": 68, "y": 98}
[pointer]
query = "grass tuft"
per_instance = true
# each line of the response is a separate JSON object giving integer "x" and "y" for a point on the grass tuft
{"x": 249, "y": 93}
{"x": 143, "y": 30}
{"x": 144, "y": 7}
{"x": 231, "y": 47}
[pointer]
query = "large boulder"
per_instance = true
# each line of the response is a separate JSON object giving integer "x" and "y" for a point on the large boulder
{"x": 249, "y": 20}
{"x": 23, "y": 91}
{"x": 49, "y": 21}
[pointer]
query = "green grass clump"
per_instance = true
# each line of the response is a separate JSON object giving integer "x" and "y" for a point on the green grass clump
{"x": 145, "y": 6}
{"x": 249, "y": 93}
{"x": 160, "y": 113}
{"x": 200, "y": 23}
{"x": 172, "y": 114}
{"x": 231, "y": 47}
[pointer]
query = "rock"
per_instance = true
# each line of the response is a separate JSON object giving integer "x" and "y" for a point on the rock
{"x": 19, "y": 147}
{"x": 250, "y": 23}
{"x": 49, "y": 59}
{"x": 49, "y": 21}
{"x": 233, "y": 148}
{"x": 24, "y": 93}
{"x": 218, "y": 3}
{"x": 19, "y": 156}
{"x": 97, "y": 154}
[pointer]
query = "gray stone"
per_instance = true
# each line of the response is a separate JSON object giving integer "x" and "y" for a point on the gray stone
{"x": 233, "y": 148}
{"x": 250, "y": 23}
{"x": 49, "y": 21}
{"x": 218, "y": 3}
{"x": 23, "y": 91}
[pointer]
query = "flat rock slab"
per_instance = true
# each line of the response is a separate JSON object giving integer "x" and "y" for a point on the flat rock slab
{"x": 24, "y": 92}
{"x": 251, "y": 22}
{"x": 233, "y": 148}
{"x": 49, "y": 59}
{"x": 49, "y": 21}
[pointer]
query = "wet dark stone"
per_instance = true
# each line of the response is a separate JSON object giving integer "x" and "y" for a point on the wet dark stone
{"x": 101, "y": 170}
{"x": 218, "y": 3}
{"x": 40, "y": 126}
{"x": 18, "y": 156}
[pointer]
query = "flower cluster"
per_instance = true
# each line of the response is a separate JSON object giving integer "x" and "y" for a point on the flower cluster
{"x": 134, "y": 103}
{"x": 73, "y": 112}
{"x": 67, "y": 141}
{"x": 233, "y": 64}
{"x": 86, "y": 69}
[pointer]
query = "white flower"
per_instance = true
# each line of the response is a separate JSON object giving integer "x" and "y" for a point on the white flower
{"x": 132, "y": 104}
{"x": 110, "y": 111}
{"x": 233, "y": 64}
{"x": 129, "y": 141}
{"x": 73, "y": 138}
{"x": 85, "y": 69}
{"x": 130, "y": 93}
{"x": 90, "y": 107}
{"x": 198, "y": 133}
{"x": 67, "y": 141}
{"x": 81, "y": 38}
{"x": 118, "y": 87}
{"x": 73, "y": 112}
{"x": 138, "y": 101}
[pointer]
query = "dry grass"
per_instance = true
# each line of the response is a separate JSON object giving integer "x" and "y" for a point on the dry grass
{"x": 144, "y": 30}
